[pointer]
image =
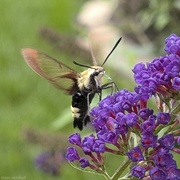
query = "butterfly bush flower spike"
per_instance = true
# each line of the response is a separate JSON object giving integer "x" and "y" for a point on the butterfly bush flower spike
{"x": 125, "y": 125}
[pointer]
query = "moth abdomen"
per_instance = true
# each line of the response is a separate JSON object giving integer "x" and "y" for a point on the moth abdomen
{"x": 80, "y": 108}
{"x": 81, "y": 121}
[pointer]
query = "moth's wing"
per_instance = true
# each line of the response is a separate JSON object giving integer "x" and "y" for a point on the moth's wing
{"x": 57, "y": 73}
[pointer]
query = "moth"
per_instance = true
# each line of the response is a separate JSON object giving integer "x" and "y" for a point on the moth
{"x": 81, "y": 86}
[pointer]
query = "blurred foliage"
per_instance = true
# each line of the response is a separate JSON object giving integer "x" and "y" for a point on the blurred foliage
{"x": 28, "y": 101}
{"x": 148, "y": 21}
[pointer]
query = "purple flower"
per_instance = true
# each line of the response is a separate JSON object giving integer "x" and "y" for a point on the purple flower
{"x": 173, "y": 68}
{"x": 176, "y": 83}
{"x": 121, "y": 126}
{"x": 145, "y": 113}
{"x": 94, "y": 111}
{"x": 135, "y": 154}
{"x": 120, "y": 117}
{"x": 140, "y": 73}
{"x": 139, "y": 67}
{"x": 162, "y": 78}
{"x": 124, "y": 95}
{"x": 99, "y": 146}
{"x": 148, "y": 139}
{"x": 156, "y": 65}
{"x": 172, "y": 44}
{"x": 173, "y": 173}
{"x": 167, "y": 141}
{"x": 84, "y": 162}
{"x": 75, "y": 139}
{"x": 107, "y": 136}
{"x": 126, "y": 106}
{"x": 99, "y": 123}
{"x": 164, "y": 160}
{"x": 87, "y": 143}
{"x": 158, "y": 174}
{"x": 138, "y": 171}
{"x": 149, "y": 124}
{"x": 107, "y": 101}
{"x": 178, "y": 140}
{"x": 118, "y": 107}
{"x": 131, "y": 119}
{"x": 133, "y": 98}
{"x": 104, "y": 119}
{"x": 150, "y": 84}
{"x": 163, "y": 118}
{"x": 144, "y": 92}
{"x": 72, "y": 154}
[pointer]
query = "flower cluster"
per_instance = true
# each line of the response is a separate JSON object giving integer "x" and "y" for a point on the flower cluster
{"x": 126, "y": 126}
{"x": 162, "y": 74}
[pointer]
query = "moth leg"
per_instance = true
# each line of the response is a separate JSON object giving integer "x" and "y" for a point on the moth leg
{"x": 111, "y": 85}
{"x": 89, "y": 98}
{"x": 99, "y": 93}
{"x": 105, "y": 86}
{"x": 86, "y": 118}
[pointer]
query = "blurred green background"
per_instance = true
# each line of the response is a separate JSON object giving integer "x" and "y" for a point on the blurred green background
{"x": 31, "y": 107}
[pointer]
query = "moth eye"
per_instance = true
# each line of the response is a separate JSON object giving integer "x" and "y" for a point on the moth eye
{"x": 96, "y": 73}
{"x": 79, "y": 94}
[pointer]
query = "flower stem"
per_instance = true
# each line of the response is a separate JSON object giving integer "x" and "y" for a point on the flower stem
{"x": 121, "y": 169}
{"x": 175, "y": 112}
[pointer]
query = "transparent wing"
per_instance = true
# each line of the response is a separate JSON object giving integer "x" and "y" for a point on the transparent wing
{"x": 57, "y": 73}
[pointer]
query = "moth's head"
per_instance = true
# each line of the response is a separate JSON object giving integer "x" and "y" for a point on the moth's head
{"x": 97, "y": 71}
{"x": 91, "y": 78}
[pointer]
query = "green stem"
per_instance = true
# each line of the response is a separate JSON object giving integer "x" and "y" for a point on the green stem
{"x": 121, "y": 169}
{"x": 104, "y": 173}
{"x": 175, "y": 112}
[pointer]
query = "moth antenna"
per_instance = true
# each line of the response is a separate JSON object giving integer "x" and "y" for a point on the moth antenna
{"x": 82, "y": 65}
{"x": 119, "y": 40}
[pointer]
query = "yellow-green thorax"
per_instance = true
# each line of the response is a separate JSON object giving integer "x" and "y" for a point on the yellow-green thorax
{"x": 91, "y": 79}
